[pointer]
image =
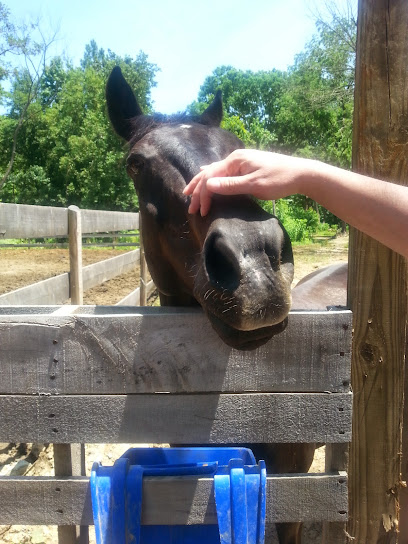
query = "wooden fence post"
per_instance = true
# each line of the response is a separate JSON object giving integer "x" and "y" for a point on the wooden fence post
{"x": 69, "y": 459}
{"x": 143, "y": 267}
{"x": 76, "y": 287}
{"x": 377, "y": 278}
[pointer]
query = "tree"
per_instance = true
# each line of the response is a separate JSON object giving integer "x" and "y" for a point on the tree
{"x": 31, "y": 46}
{"x": 249, "y": 97}
{"x": 67, "y": 151}
{"x": 316, "y": 107}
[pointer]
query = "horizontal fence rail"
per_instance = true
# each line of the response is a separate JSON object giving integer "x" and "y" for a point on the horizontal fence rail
{"x": 171, "y": 501}
{"x": 195, "y": 419}
{"x": 25, "y": 221}
{"x": 123, "y": 350}
{"x": 56, "y": 290}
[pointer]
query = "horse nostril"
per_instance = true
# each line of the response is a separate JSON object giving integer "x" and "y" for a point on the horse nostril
{"x": 221, "y": 264}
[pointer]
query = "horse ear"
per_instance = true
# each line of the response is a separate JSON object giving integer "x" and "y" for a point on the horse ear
{"x": 122, "y": 103}
{"x": 213, "y": 114}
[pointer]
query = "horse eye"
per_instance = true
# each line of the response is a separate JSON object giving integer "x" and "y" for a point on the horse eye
{"x": 134, "y": 165}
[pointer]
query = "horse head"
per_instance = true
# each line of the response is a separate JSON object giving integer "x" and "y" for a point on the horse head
{"x": 237, "y": 261}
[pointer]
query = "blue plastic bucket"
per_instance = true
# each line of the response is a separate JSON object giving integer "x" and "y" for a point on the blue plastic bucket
{"x": 239, "y": 488}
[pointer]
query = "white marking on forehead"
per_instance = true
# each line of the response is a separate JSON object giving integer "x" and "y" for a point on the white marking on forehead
{"x": 185, "y": 126}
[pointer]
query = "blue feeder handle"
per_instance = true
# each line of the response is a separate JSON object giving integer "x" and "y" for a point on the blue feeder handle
{"x": 240, "y": 498}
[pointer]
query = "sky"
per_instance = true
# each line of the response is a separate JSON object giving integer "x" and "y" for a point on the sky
{"x": 186, "y": 39}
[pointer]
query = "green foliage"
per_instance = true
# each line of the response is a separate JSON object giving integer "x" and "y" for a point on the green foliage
{"x": 305, "y": 111}
{"x": 299, "y": 222}
{"x": 248, "y": 97}
{"x": 67, "y": 152}
{"x": 316, "y": 106}
{"x": 32, "y": 186}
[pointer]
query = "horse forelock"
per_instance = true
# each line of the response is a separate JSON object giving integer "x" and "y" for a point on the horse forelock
{"x": 143, "y": 124}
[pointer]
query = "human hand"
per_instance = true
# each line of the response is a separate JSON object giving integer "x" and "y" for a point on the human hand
{"x": 262, "y": 174}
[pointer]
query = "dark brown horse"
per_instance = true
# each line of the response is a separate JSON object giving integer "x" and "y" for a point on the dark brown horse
{"x": 236, "y": 262}
{"x": 323, "y": 289}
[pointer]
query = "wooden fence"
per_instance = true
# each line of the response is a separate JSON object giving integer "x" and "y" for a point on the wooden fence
{"x": 23, "y": 221}
{"x": 109, "y": 374}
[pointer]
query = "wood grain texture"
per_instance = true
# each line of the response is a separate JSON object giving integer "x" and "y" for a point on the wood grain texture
{"x": 377, "y": 277}
{"x": 76, "y": 284}
{"x": 51, "y": 291}
{"x": 161, "y": 418}
{"x": 121, "y": 350}
{"x": 143, "y": 271}
{"x": 97, "y": 273}
{"x": 336, "y": 460}
{"x": 56, "y": 290}
{"x": 66, "y": 460}
{"x": 106, "y": 221}
{"x": 133, "y": 299}
{"x": 115, "y": 350}
{"x": 25, "y": 221}
{"x": 170, "y": 500}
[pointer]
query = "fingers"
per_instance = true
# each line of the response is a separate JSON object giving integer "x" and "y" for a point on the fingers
{"x": 238, "y": 185}
{"x": 204, "y": 188}
{"x": 211, "y": 180}
{"x": 197, "y": 189}
{"x": 194, "y": 189}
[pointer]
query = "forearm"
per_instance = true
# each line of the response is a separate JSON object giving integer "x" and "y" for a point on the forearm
{"x": 378, "y": 208}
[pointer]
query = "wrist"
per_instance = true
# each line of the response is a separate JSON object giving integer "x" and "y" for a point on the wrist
{"x": 313, "y": 173}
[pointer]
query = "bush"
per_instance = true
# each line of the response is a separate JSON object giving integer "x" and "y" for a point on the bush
{"x": 299, "y": 223}
{"x": 29, "y": 186}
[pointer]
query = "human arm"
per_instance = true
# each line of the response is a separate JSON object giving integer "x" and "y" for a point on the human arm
{"x": 378, "y": 208}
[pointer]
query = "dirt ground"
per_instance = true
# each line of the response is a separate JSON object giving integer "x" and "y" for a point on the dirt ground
{"x": 20, "y": 267}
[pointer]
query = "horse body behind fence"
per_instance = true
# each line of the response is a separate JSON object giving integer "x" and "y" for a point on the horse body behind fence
{"x": 322, "y": 289}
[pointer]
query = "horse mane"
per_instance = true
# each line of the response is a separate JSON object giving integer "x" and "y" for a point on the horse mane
{"x": 143, "y": 124}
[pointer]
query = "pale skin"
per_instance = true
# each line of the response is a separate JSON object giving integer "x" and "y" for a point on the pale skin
{"x": 378, "y": 208}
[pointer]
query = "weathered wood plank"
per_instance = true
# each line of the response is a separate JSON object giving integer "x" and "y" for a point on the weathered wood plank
{"x": 106, "y": 221}
{"x": 143, "y": 271}
{"x": 51, "y": 291}
{"x": 161, "y": 418}
{"x": 56, "y": 290}
{"x": 69, "y": 460}
{"x": 24, "y": 221}
{"x": 76, "y": 284}
{"x": 97, "y": 273}
{"x": 378, "y": 277}
{"x": 336, "y": 460}
{"x": 133, "y": 299}
{"x": 170, "y": 501}
{"x": 117, "y": 350}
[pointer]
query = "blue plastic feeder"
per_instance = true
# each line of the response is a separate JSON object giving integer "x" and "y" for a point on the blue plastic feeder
{"x": 239, "y": 488}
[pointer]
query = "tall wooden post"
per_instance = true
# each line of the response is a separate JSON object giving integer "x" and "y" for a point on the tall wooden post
{"x": 76, "y": 288}
{"x": 69, "y": 459}
{"x": 377, "y": 277}
{"x": 143, "y": 266}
